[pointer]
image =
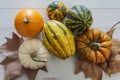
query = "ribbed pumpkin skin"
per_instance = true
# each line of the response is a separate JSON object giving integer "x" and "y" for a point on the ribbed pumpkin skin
{"x": 56, "y": 11}
{"x": 28, "y": 23}
{"x": 58, "y": 39}
{"x": 94, "y": 46}
{"x": 78, "y": 19}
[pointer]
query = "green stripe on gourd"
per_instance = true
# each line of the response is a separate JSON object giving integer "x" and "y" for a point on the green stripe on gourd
{"x": 63, "y": 46}
{"x": 51, "y": 32}
{"x": 54, "y": 35}
{"x": 63, "y": 39}
{"x": 78, "y": 19}
{"x": 44, "y": 33}
{"x": 61, "y": 35}
{"x": 54, "y": 42}
{"x": 49, "y": 45}
{"x": 46, "y": 42}
{"x": 60, "y": 27}
{"x": 56, "y": 10}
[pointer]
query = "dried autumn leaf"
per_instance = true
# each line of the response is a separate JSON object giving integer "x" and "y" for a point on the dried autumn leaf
{"x": 12, "y": 65}
{"x": 11, "y": 45}
{"x": 13, "y": 68}
{"x": 32, "y": 73}
{"x": 89, "y": 69}
{"x": 113, "y": 64}
{"x": 78, "y": 66}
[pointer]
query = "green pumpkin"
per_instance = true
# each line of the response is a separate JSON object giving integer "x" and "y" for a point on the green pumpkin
{"x": 78, "y": 19}
{"x": 58, "y": 39}
{"x": 56, "y": 11}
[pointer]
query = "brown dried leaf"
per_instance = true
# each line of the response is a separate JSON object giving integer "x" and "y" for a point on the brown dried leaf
{"x": 11, "y": 45}
{"x": 44, "y": 69}
{"x": 14, "y": 43}
{"x": 32, "y": 73}
{"x": 13, "y": 68}
{"x": 12, "y": 65}
{"x": 78, "y": 66}
{"x": 113, "y": 64}
{"x": 90, "y": 70}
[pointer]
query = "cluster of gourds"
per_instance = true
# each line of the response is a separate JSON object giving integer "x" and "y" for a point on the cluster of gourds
{"x": 92, "y": 45}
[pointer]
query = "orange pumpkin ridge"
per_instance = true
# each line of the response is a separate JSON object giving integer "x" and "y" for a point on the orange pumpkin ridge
{"x": 94, "y": 46}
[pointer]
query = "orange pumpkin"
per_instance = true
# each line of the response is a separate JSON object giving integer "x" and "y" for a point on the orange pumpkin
{"x": 28, "y": 23}
{"x": 94, "y": 46}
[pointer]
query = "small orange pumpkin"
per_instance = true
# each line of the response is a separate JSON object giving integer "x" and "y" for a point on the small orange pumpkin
{"x": 94, "y": 46}
{"x": 28, "y": 23}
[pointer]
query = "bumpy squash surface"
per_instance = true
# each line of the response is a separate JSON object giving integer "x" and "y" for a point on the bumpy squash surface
{"x": 94, "y": 46}
{"x": 58, "y": 39}
{"x": 33, "y": 54}
{"x": 56, "y": 10}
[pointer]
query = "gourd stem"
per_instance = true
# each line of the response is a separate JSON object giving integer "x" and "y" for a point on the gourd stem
{"x": 26, "y": 20}
{"x": 36, "y": 58}
{"x": 110, "y": 32}
{"x": 95, "y": 45}
{"x": 115, "y": 25}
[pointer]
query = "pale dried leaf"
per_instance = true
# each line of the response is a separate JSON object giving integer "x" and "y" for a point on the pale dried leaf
{"x": 13, "y": 43}
{"x": 90, "y": 70}
{"x": 103, "y": 65}
{"x": 32, "y": 73}
{"x": 10, "y": 48}
{"x": 78, "y": 66}
{"x": 13, "y": 70}
{"x": 114, "y": 60}
{"x": 111, "y": 66}
{"x": 13, "y": 67}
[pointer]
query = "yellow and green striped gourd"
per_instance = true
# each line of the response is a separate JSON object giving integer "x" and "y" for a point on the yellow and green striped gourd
{"x": 58, "y": 39}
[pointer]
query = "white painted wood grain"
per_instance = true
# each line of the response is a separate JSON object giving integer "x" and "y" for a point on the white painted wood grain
{"x": 102, "y": 17}
{"x": 69, "y": 3}
{"x": 105, "y": 14}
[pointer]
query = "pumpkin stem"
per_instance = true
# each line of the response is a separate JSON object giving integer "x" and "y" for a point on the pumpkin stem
{"x": 26, "y": 20}
{"x": 95, "y": 45}
{"x": 36, "y": 58}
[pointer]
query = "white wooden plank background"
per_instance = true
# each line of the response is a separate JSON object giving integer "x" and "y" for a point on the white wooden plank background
{"x": 105, "y": 14}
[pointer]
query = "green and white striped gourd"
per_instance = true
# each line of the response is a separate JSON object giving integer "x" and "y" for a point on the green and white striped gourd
{"x": 78, "y": 19}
